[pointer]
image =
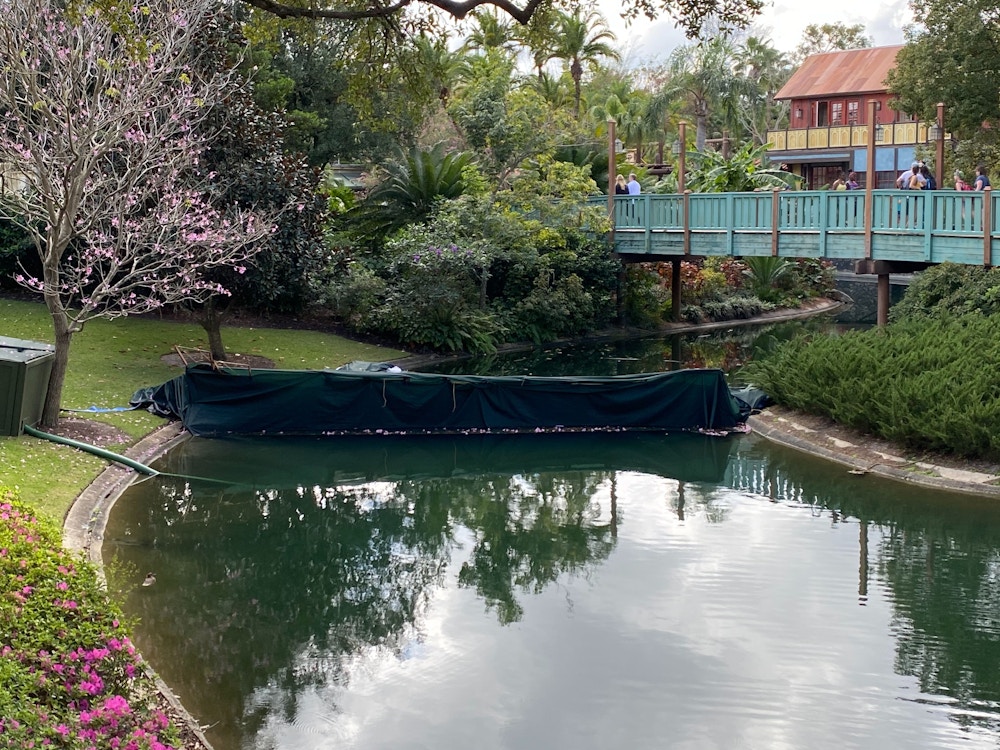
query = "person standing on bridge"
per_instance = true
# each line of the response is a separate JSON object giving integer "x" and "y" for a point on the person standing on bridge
{"x": 982, "y": 180}
{"x": 906, "y": 182}
{"x": 929, "y": 182}
{"x": 620, "y": 187}
{"x": 634, "y": 188}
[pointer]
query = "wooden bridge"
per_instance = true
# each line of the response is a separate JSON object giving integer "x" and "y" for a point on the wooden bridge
{"x": 883, "y": 231}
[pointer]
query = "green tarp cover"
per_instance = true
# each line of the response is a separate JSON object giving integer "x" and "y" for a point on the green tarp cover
{"x": 214, "y": 402}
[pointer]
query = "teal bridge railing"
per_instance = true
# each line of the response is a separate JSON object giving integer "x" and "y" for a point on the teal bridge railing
{"x": 921, "y": 227}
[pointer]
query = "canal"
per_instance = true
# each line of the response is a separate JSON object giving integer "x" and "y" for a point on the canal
{"x": 563, "y": 591}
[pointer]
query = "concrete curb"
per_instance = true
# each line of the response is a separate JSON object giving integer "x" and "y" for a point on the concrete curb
{"x": 83, "y": 527}
{"x": 785, "y": 431}
{"x": 86, "y": 521}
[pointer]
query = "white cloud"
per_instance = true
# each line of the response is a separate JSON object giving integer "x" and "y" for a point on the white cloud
{"x": 782, "y": 21}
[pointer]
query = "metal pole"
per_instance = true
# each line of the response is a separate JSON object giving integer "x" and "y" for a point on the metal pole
{"x": 870, "y": 177}
{"x": 939, "y": 155}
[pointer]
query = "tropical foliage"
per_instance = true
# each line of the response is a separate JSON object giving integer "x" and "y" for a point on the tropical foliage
{"x": 480, "y": 272}
{"x": 747, "y": 169}
{"x": 411, "y": 188}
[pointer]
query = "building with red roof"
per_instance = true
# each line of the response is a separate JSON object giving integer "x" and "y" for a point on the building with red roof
{"x": 828, "y": 119}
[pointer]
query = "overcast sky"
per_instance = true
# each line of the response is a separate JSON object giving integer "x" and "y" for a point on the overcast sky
{"x": 782, "y": 21}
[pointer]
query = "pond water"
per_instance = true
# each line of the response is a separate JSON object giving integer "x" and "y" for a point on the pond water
{"x": 723, "y": 348}
{"x": 561, "y": 592}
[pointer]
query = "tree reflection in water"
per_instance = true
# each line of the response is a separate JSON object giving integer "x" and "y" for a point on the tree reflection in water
{"x": 279, "y": 590}
{"x": 297, "y": 585}
{"x": 938, "y": 555}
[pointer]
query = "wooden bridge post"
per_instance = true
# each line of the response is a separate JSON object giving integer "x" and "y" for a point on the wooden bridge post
{"x": 675, "y": 263}
{"x": 882, "y": 313}
{"x": 686, "y": 210}
{"x": 675, "y": 289}
{"x": 612, "y": 176}
{"x": 987, "y": 226}
{"x": 870, "y": 180}
{"x": 612, "y": 180}
{"x": 775, "y": 218}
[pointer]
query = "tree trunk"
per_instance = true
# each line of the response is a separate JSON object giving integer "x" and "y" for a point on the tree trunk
{"x": 210, "y": 317}
{"x": 701, "y": 132}
{"x": 576, "y": 71}
{"x": 701, "y": 113}
{"x": 483, "y": 279}
{"x": 63, "y": 338}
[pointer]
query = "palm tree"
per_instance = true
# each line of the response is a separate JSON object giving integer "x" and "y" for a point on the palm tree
{"x": 765, "y": 71}
{"x": 555, "y": 90}
{"x": 539, "y": 36}
{"x": 582, "y": 40}
{"x": 704, "y": 76}
{"x": 411, "y": 189}
{"x": 440, "y": 67}
{"x": 491, "y": 32}
{"x": 631, "y": 116}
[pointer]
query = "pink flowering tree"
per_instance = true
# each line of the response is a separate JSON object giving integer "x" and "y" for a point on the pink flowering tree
{"x": 100, "y": 114}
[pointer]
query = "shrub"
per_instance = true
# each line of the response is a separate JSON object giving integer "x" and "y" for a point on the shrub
{"x": 950, "y": 289}
{"x": 812, "y": 277}
{"x": 737, "y": 307}
{"x": 71, "y": 678}
{"x": 765, "y": 272}
{"x": 555, "y": 308}
{"x": 929, "y": 384}
{"x": 355, "y": 295}
{"x": 477, "y": 273}
{"x": 646, "y": 299}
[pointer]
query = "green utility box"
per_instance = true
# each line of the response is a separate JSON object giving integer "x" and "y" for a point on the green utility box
{"x": 25, "y": 367}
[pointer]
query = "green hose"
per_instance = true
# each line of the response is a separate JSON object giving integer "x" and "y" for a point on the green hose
{"x": 109, "y": 455}
{"x": 117, "y": 457}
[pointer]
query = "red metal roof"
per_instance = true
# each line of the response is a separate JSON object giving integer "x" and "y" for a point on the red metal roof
{"x": 853, "y": 71}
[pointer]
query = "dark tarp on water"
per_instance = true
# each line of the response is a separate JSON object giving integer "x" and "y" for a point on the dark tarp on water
{"x": 212, "y": 402}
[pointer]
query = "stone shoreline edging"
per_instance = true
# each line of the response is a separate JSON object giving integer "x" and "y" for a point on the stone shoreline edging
{"x": 784, "y": 430}
{"x": 85, "y": 524}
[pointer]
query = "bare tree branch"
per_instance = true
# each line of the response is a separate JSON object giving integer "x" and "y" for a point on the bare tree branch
{"x": 691, "y": 14}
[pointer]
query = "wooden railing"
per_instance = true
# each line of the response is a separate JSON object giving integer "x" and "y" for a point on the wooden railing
{"x": 926, "y": 226}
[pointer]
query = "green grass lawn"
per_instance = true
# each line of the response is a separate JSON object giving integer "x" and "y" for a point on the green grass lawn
{"x": 111, "y": 360}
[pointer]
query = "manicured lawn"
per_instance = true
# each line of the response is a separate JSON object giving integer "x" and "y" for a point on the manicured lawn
{"x": 109, "y": 361}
